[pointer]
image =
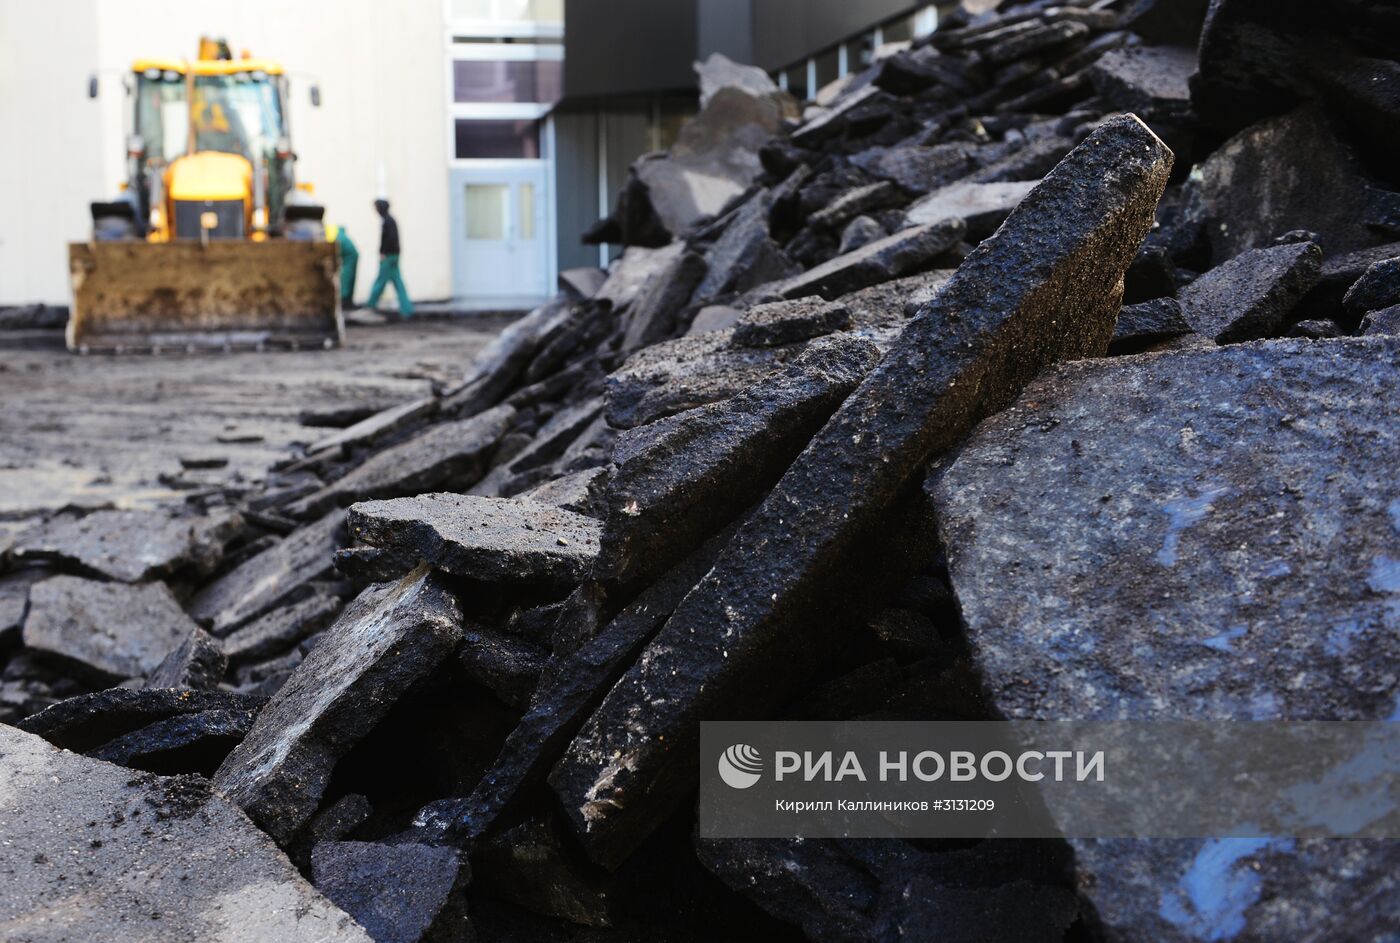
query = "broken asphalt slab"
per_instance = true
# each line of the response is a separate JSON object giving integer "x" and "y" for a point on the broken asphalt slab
{"x": 680, "y": 374}
{"x": 93, "y": 851}
{"x": 114, "y": 630}
{"x": 271, "y": 577}
{"x": 903, "y": 253}
{"x": 1194, "y": 535}
{"x": 508, "y": 540}
{"x": 400, "y": 893}
{"x": 1145, "y": 323}
{"x": 132, "y": 546}
{"x": 789, "y": 322}
{"x": 1253, "y": 548}
{"x": 571, "y": 686}
{"x": 1249, "y": 296}
{"x": 197, "y": 663}
{"x": 453, "y": 454}
{"x": 89, "y": 720}
{"x": 981, "y": 206}
{"x": 390, "y": 637}
{"x": 1377, "y": 288}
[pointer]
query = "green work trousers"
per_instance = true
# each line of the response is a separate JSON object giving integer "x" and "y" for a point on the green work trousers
{"x": 389, "y": 274}
{"x": 349, "y": 264}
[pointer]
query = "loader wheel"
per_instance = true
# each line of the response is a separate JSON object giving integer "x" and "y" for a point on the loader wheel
{"x": 113, "y": 229}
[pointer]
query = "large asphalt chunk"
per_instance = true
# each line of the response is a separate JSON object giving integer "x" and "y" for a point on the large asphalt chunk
{"x": 1142, "y": 324}
{"x": 400, "y": 893}
{"x": 95, "y": 852}
{"x": 745, "y": 255}
{"x": 89, "y": 720}
{"x": 114, "y": 630}
{"x": 1287, "y": 173}
{"x": 454, "y": 454}
{"x": 1046, "y": 286}
{"x": 653, "y": 316}
{"x": 1211, "y": 534}
{"x": 903, "y": 253}
{"x": 1258, "y": 57}
{"x": 281, "y": 628}
{"x": 680, "y": 374}
{"x": 1249, "y": 296}
{"x": 1148, "y": 79}
{"x": 1197, "y": 532}
{"x": 982, "y": 206}
{"x": 187, "y": 743}
{"x": 132, "y": 546}
{"x": 507, "y": 540}
{"x": 713, "y": 160}
{"x": 498, "y": 368}
{"x": 391, "y": 636}
{"x": 1384, "y": 321}
{"x": 680, "y": 479}
{"x": 271, "y": 577}
{"x": 371, "y": 428}
{"x": 1377, "y": 288}
{"x": 790, "y": 322}
{"x": 197, "y": 663}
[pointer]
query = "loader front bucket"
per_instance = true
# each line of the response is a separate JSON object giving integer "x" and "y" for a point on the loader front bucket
{"x": 130, "y": 295}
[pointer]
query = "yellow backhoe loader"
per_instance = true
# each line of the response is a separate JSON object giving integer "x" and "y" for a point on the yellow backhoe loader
{"x": 211, "y": 243}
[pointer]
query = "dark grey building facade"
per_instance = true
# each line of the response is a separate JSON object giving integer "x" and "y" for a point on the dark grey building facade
{"x": 629, "y": 83}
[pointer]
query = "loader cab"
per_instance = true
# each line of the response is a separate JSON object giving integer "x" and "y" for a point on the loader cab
{"x": 210, "y": 154}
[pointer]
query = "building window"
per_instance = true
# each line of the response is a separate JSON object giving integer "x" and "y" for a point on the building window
{"x": 535, "y": 11}
{"x": 539, "y": 80}
{"x": 496, "y": 140}
{"x": 486, "y": 210}
{"x": 525, "y": 211}
{"x": 524, "y": 11}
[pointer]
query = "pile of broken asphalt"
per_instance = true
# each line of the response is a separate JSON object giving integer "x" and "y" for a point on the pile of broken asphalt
{"x": 1045, "y": 369}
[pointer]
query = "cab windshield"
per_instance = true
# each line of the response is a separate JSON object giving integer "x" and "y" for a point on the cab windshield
{"x": 237, "y": 114}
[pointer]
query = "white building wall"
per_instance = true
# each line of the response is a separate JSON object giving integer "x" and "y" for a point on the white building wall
{"x": 49, "y": 143}
{"x": 381, "y": 124}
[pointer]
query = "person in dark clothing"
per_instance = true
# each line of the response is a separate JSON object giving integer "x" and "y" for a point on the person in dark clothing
{"x": 389, "y": 262}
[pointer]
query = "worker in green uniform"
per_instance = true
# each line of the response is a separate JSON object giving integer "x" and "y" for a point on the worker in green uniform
{"x": 349, "y": 264}
{"x": 389, "y": 262}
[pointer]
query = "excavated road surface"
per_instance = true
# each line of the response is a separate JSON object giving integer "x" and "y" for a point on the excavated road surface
{"x": 141, "y": 430}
